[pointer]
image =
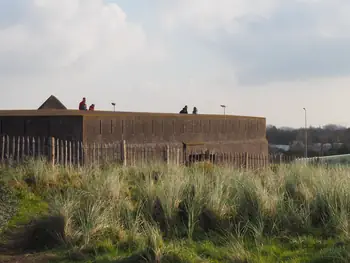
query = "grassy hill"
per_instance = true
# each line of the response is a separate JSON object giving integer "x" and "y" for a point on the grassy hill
{"x": 174, "y": 214}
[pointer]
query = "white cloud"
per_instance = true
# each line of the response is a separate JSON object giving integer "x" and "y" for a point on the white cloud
{"x": 208, "y": 16}
{"x": 56, "y": 34}
{"x": 73, "y": 48}
{"x": 292, "y": 54}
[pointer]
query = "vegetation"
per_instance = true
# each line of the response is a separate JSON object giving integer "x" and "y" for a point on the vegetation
{"x": 327, "y": 134}
{"x": 175, "y": 214}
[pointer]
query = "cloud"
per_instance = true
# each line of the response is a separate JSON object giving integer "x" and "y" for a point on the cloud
{"x": 72, "y": 48}
{"x": 50, "y": 35}
{"x": 208, "y": 16}
{"x": 260, "y": 58}
{"x": 270, "y": 41}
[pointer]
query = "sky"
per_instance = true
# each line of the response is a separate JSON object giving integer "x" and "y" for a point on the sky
{"x": 267, "y": 58}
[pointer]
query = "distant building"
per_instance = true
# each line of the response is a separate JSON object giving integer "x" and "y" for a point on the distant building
{"x": 52, "y": 103}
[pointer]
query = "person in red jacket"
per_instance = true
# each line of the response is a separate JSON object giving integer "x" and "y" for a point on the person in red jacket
{"x": 82, "y": 104}
{"x": 92, "y": 107}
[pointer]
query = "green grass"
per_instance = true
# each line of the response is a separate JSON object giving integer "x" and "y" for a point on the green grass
{"x": 177, "y": 214}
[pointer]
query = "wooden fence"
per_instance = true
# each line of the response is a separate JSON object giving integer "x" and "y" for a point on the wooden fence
{"x": 68, "y": 153}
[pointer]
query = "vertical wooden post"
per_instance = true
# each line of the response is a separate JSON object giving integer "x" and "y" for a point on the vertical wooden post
{"x": 13, "y": 148}
{"x": 7, "y": 147}
{"x": 74, "y": 153}
{"x": 62, "y": 152}
{"x": 57, "y": 157}
{"x": 65, "y": 153}
{"x": 23, "y": 153}
{"x": 33, "y": 147}
{"x": 52, "y": 147}
{"x": 178, "y": 156}
{"x": 167, "y": 154}
{"x": 247, "y": 160}
{"x": 78, "y": 153}
{"x": 28, "y": 147}
{"x": 146, "y": 155}
{"x": 184, "y": 153}
{"x": 3, "y": 142}
{"x": 2, "y": 148}
{"x": 18, "y": 148}
{"x": 142, "y": 156}
{"x": 70, "y": 153}
{"x": 123, "y": 152}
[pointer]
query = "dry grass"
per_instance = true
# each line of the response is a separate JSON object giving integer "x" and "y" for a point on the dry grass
{"x": 130, "y": 209}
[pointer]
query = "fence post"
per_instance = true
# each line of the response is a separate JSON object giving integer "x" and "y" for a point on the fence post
{"x": 52, "y": 145}
{"x": 13, "y": 148}
{"x": 18, "y": 148}
{"x": 167, "y": 154}
{"x": 7, "y": 147}
{"x": 177, "y": 156}
{"x": 247, "y": 160}
{"x": 3, "y": 148}
{"x": 123, "y": 152}
{"x": 70, "y": 153}
{"x": 33, "y": 147}
{"x": 65, "y": 153}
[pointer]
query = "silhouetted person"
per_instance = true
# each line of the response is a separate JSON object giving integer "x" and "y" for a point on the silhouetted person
{"x": 184, "y": 110}
{"x": 92, "y": 107}
{"x": 195, "y": 110}
{"x": 82, "y": 104}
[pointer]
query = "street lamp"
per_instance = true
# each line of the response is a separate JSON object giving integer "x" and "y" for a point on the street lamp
{"x": 113, "y": 104}
{"x": 224, "y": 106}
{"x": 305, "y": 132}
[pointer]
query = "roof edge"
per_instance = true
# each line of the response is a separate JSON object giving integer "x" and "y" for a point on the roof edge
{"x": 55, "y": 112}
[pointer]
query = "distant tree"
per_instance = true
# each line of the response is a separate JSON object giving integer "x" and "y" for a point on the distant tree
{"x": 333, "y": 127}
{"x": 344, "y": 149}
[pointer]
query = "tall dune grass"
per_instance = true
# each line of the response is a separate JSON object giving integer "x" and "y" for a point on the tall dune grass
{"x": 135, "y": 208}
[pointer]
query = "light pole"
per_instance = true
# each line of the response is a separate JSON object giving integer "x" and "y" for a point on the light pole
{"x": 224, "y": 106}
{"x": 305, "y": 132}
{"x": 113, "y": 104}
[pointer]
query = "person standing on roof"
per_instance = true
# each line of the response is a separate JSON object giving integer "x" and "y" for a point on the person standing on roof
{"x": 82, "y": 104}
{"x": 184, "y": 110}
{"x": 92, "y": 107}
{"x": 195, "y": 110}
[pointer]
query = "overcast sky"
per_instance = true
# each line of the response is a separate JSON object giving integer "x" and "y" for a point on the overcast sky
{"x": 265, "y": 58}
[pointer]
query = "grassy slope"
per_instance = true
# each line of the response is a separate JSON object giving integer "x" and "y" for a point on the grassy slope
{"x": 294, "y": 214}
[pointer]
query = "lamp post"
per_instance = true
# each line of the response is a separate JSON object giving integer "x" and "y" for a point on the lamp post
{"x": 224, "y": 107}
{"x": 113, "y": 104}
{"x": 305, "y": 132}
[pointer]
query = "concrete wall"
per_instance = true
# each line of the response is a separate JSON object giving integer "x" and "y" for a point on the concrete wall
{"x": 61, "y": 127}
{"x": 231, "y": 133}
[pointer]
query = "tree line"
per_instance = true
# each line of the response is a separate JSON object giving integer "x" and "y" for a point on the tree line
{"x": 330, "y": 133}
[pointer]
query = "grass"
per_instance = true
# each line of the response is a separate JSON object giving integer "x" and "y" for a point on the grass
{"x": 176, "y": 214}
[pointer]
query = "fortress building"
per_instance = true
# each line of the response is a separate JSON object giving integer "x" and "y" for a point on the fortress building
{"x": 213, "y": 132}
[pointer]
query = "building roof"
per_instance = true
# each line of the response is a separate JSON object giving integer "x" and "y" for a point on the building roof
{"x": 50, "y": 112}
{"x": 52, "y": 103}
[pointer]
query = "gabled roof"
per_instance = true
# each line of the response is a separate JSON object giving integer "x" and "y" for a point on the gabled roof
{"x": 52, "y": 103}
